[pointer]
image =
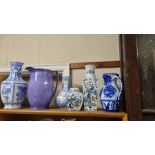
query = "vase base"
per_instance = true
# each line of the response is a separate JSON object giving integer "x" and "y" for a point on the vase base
{"x": 90, "y": 109}
{"x": 110, "y": 105}
{"x": 111, "y": 110}
{"x": 16, "y": 106}
{"x": 38, "y": 108}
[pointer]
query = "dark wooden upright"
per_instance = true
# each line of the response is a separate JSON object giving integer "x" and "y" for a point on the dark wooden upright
{"x": 131, "y": 76}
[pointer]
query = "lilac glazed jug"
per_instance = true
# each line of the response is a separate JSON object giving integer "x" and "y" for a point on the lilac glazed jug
{"x": 40, "y": 87}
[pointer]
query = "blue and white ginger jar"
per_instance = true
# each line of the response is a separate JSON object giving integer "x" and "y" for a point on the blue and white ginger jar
{"x": 14, "y": 88}
{"x": 74, "y": 100}
{"x": 111, "y": 92}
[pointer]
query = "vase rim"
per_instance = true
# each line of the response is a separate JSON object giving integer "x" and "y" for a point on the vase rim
{"x": 71, "y": 89}
{"x": 39, "y": 69}
{"x": 42, "y": 69}
{"x": 16, "y": 62}
{"x": 111, "y": 74}
{"x": 66, "y": 76}
{"x": 90, "y": 66}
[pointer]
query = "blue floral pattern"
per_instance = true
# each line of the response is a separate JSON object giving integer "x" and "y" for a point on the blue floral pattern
{"x": 90, "y": 94}
{"x": 21, "y": 93}
{"x": 15, "y": 74}
{"x": 109, "y": 91}
{"x": 6, "y": 92}
{"x": 110, "y": 105}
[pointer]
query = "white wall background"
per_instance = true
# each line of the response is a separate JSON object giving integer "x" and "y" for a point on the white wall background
{"x": 40, "y": 49}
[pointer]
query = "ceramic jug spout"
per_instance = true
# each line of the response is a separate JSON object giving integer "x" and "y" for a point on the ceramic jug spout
{"x": 30, "y": 69}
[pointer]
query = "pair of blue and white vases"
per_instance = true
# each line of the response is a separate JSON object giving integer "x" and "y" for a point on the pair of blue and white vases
{"x": 109, "y": 95}
{"x": 72, "y": 99}
{"x": 69, "y": 98}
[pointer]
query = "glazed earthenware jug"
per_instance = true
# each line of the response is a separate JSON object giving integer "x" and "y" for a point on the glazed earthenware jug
{"x": 111, "y": 92}
{"x": 40, "y": 87}
{"x": 14, "y": 88}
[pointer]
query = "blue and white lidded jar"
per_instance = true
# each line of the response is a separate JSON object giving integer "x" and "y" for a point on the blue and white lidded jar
{"x": 14, "y": 88}
{"x": 111, "y": 92}
{"x": 62, "y": 97}
{"x": 74, "y": 100}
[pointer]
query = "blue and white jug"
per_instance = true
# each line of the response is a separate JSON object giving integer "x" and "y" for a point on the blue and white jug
{"x": 111, "y": 92}
{"x": 14, "y": 88}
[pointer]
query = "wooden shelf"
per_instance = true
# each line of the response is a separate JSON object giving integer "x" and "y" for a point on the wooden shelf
{"x": 60, "y": 112}
{"x": 148, "y": 111}
{"x": 101, "y": 64}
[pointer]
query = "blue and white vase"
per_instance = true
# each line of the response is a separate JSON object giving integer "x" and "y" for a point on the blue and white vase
{"x": 111, "y": 92}
{"x": 62, "y": 97}
{"x": 74, "y": 100}
{"x": 90, "y": 89}
{"x": 14, "y": 88}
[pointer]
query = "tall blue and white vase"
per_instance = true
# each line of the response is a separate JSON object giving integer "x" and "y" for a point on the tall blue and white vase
{"x": 62, "y": 96}
{"x": 111, "y": 92}
{"x": 14, "y": 88}
{"x": 90, "y": 89}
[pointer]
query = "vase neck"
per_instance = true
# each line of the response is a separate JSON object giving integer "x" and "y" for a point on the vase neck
{"x": 90, "y": 71}
{"x": 107, "y": 79}
{"x": 66, "y": 83}
{"x": 15, "y": 74}
{"x": 74, "y": 90}
{"x": 90, "y": 76}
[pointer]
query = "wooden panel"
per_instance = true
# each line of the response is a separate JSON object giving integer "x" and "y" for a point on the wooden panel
{"x": 146, "y": 51}
{"x": 131, "y": 76}
{"x": 103, "y": 64}
{"x": 124, "y": 105}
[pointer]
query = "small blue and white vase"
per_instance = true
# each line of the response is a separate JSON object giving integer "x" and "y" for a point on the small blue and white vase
{"x": 74, "y": 100}
{"x": 14, "y": 88}
{"x": 90, "y": 89}
{"x": 62, "y": 97}
{"x": 111, "y": 92}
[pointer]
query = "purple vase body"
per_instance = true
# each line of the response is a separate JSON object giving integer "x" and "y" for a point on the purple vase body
{"x": 40, "y": 88}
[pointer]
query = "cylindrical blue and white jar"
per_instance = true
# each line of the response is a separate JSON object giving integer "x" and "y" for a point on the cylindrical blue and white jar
{"x": 14, "y": 88}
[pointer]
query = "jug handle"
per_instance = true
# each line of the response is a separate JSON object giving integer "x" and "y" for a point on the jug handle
{"x": 121, "y": 85}
{"x": 57, "y": 80}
